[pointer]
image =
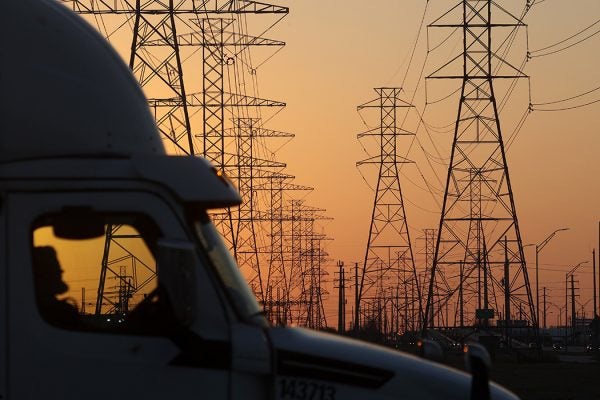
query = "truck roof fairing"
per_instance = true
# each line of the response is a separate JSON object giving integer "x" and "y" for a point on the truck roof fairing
{"x": 192, "y": 179}
{"x": 64, "y": 91}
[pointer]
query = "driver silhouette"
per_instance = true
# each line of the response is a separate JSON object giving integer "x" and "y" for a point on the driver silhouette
{"x": 48, "y": 284}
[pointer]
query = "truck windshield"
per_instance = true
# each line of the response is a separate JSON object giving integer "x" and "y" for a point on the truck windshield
{"x": 240, "y": 294}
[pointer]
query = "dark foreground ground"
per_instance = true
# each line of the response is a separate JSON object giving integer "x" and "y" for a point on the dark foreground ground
{"x": 578, "y": 378}
{"x": 550, "y": 381}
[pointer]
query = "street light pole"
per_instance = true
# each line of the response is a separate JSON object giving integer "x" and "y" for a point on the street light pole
{"x": 558, "y": 314}
{"x": 538, "y": 249}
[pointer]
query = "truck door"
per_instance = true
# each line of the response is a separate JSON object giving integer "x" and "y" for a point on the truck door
{"x": 89, "y": 316}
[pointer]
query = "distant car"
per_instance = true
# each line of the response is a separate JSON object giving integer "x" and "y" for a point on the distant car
{"x": 455, "y": 347}
{"x": 589, "y": 348}
{"x": 558, "y": 347}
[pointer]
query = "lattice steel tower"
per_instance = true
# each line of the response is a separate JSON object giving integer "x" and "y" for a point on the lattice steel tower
{"x": 305, "y": 297}
{"x": 279, "y": 267}
{"x": 479, "y": 266}
{"x": 160, "y": 31}
{"x": 389, "y": 249}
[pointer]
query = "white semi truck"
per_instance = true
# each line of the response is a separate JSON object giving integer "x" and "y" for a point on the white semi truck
{"x": 82, "y": 168}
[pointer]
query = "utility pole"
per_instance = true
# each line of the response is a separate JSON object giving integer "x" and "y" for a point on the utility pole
{"x": 406, "y": 304}
{"x": 544, "y": 307}
{"x": 595, "y": 315}
{"x": 566, "y": 308}
{"x": 341, "y": 298}
{"x": 507, "y": 321}
{"x": 594, "y": 280}
{"x": 573, "y": 311}
{"x": 461, "y": 298}
{"x": 538, "y": 248}
{"x": 573, "y": 316}
{"x": 356, "y": 301}
{"x": 430, "y": 237}
{"x": 83, "y": 300}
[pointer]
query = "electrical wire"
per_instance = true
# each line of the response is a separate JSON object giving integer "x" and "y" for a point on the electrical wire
{"x": 440, "y": 129}
{"x": 421, "y": 24}
{"x": 566, "y": 40}
{"x": 567, "y": 108}
{"x": 566, "y": 47}
{"x": 566, "y": 99}
{"x": 443, "y": 98}
{"x": 515, "y": 133}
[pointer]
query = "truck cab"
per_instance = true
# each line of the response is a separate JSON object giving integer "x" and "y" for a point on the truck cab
{"x": 162, "y": 317}
{"x": 92, "y": 207}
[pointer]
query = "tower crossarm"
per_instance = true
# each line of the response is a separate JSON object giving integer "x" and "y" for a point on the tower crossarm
{"x": 259, "y": 131}
{"x": 378, "y": 160}
{"x": 183, "y": 7}
{"x": 260, "y": 167}
{"x": 229, "y": 100}
{"x": 395, "y": 131}
{"x": 230, "y": 39}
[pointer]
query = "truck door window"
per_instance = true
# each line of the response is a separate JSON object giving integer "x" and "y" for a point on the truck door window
{"x": 107, "y": 283}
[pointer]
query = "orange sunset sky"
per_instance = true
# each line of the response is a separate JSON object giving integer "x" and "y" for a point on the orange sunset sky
{"x": 337, "y": 51}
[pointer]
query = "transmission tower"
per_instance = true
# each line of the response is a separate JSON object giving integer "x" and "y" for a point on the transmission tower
{"x": 277, "y": 275}
{"x": 426, "y": 252}
{"x": 129, "y": 267}
{"x": 478, "y": 231}
{"x": 305, "y": 293}
{"x": 237, "y": 227}
{"x": 389, "y": 246}
{"x": 160, "y": 31}
{"x": 251, "y": 175}
{"x": 219, "y": 120}
{"x": 215, "y": 38}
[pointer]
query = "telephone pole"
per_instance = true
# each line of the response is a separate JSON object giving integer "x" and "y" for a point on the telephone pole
{"x": 544, "y": 324}
{"x": 341, "y": 286}
{"x": 573, "y": 310}
{"x": 594, "y": 281}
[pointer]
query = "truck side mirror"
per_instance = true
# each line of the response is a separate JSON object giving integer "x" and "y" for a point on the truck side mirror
{"x": 78, "y": 223}
{"x": 478, "y": 363}
{"x": 177, "y": 263}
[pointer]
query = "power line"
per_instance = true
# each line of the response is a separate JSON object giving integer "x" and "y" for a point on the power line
{"x": 443, "y": 98}
{"x": 569, "y": 38}
{"x": 567, "y": 108}
{"x": 518, "y": 128}
{"x": 531, "y": 55}
{"x": 568, "y": 98}
{"x": 416, "y": 42}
